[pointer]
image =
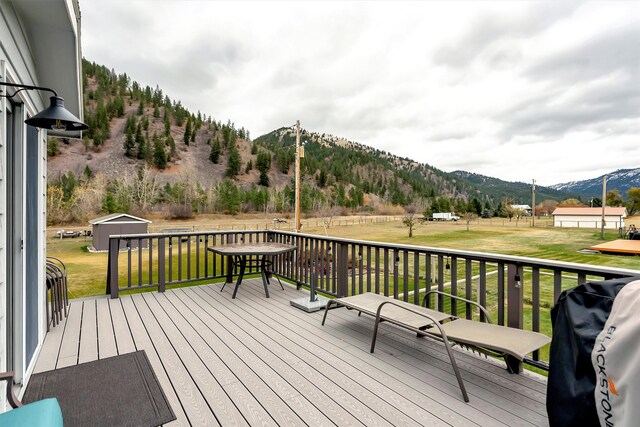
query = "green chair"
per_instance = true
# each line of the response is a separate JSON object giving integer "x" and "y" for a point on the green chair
{"x": 43, "y": 413}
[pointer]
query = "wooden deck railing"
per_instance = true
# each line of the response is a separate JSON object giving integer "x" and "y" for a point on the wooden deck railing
{"x": 518, "y": 291}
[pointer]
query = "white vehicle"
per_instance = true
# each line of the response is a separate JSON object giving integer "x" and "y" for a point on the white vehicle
{"x": 445, "y": 216}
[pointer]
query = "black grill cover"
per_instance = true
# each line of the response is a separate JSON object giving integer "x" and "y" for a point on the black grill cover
{"x": 577, "y": 319}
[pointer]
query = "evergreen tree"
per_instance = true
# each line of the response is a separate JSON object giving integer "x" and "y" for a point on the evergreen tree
{"x": 87, "y": 173}
{"x": 249, "y": 166}
{"x": 159, "y": 155}
{"x": 214, "y": 155}
{"x": 140, "y": 108}
{"x": 187, "y": 132}
{"x": 233, "y": 163}
{"x": 477, "y": 206}
{"x": 322, "y": 178}
{"x": 264, "y": 179}
{"x": 263, "y": 164}
{"x": 140, "y": 143}
{"x": 254, "y": 148}
{"x": 229, "y": 196}
{"x": 167, "y": 126}
{"x": 172, "y": 146}
{"x": 109, "y": 203}
{"x": 156, "y": 112}
{"x": 129, "y": 143}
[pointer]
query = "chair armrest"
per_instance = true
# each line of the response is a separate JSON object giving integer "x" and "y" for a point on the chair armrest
{"x": 11, "y": 397}
{"x": 468, "y": 301}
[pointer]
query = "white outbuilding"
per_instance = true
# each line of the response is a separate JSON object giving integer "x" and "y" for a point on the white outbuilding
{"x": 589, "y": 217}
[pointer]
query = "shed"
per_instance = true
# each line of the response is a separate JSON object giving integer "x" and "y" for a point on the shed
{"x": 589, "y": 217}
{"x": 115, "y": 224}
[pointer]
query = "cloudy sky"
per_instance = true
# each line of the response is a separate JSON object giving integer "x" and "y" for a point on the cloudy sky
{"x": 515, "y": 90}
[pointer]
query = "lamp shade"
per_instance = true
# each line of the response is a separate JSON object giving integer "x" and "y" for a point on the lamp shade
{"x": 56, "y": 117}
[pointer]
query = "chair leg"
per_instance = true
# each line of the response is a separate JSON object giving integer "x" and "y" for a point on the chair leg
{"x": 326, "y": 310}
{"x": 46, "y": 303}
{"x": 66, "y": 296}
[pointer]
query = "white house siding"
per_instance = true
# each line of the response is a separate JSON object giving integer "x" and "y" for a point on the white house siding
{"x": 588, "y": 221}
{"x": 24, "y": 39}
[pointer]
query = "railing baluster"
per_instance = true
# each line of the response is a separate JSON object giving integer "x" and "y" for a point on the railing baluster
{"x": 140, "y": 262}
{"x": 128, "y": 263}
{"x": 170, "y": 259}
{"x": 353, "y": 269}
{"x": 405, "y": 273}
{"x": 501, "y": 293}
{"x": 188, "y": 258}
{"x": 377, "y": 277}
{"x": 557, "y": 285}
{"x": 416, "y": 278}
{"x": 198, "y": 240}
{"x": 360, "y": 272}
{"x": 535, "y": 305}
{"x": 368, "y": 268}
{"x": 468, "y": 276}
{"x": 161, "y": 263}
{"x": 440, "y": 282}
{"x": 454, "y": 284}
{"x": 343, "y": 270}
{"x": 582, "y": 278}
{"x": 386, "y": 272}
{"x": 179, "y": 258}
{"x": 334, "y": 267}
{"x": 150, "y": 265}
{"x": 482, "y": 291}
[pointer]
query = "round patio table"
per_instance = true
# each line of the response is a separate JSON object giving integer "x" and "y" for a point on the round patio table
{"x": 258, "y": 254}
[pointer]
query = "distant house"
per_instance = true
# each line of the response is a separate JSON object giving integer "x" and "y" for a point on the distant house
{"x": 114, "y": 224}
{"x": 526, "y": 209}
{"x": 589, "y": 217}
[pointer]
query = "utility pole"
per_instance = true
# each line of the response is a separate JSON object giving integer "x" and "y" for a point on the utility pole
{"x": 297, "y": 196}
{"x": 604, "y": 205}
{"x": 533, "y": 203}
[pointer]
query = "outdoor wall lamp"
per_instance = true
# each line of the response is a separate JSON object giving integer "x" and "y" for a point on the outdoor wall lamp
{"x": 56, "y": 117}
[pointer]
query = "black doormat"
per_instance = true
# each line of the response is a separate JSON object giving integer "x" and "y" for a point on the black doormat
{"x": 116, "y": 391}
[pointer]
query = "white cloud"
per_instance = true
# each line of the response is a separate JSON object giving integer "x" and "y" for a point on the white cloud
{"x": 545, "y": 90}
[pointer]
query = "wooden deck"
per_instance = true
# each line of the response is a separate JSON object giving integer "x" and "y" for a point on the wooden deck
{"x": 257, "y": 361}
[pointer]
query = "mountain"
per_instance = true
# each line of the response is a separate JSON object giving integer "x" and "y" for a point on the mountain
{"x": 146, "y": 152}
{"x": 519, "y": 192}
{"x": 621, "y": 180}
{"x": 331, "y": 161}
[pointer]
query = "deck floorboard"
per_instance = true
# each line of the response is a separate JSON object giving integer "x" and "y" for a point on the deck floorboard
{"x": 258, "y": 361}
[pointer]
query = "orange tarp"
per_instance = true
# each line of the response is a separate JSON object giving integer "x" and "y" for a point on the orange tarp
{"x": 619, "y": 246}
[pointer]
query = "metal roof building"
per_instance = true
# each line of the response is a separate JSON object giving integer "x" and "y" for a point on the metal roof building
{"x": 589, "y": 217}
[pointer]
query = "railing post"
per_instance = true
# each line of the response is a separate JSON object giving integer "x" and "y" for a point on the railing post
{"x": 114, "y": 248}
{"x": 161, "y": 265}
{"x": 342, "y": 270}
{"x": 515, "y": 300}
{"x": 515, "y": 307}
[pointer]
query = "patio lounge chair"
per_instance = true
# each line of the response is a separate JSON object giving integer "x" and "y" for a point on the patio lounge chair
{"x": 496, "y": 340}
{"x": 45, "y": 412}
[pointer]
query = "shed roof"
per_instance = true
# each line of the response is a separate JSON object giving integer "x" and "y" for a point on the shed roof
{"x": 111, "y": 217}
{"x": 609, "y": 210}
